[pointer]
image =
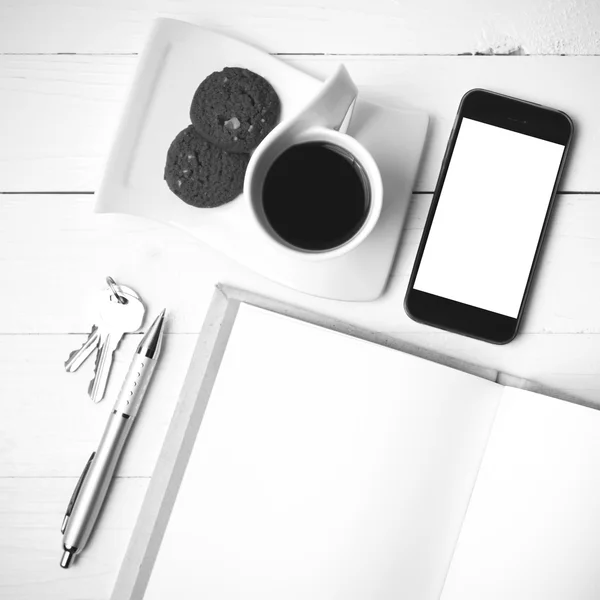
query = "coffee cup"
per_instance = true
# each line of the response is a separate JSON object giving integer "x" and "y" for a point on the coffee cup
{"x": 312, "y": 190}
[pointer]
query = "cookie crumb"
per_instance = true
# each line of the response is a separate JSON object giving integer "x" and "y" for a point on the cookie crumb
{"x": 232, "y": 124}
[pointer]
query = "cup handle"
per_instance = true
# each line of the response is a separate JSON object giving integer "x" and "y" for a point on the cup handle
{"x": 332, "y": 107}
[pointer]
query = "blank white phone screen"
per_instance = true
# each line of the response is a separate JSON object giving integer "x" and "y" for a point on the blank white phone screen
{"x": 489, "y": 217}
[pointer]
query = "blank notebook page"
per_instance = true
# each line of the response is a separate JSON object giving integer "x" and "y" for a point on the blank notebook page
{"x": 325, "y": 467}
{"x": 532, "y": 531}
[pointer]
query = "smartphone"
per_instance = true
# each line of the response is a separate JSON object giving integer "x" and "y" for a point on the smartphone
{"x": 488, "y": 216}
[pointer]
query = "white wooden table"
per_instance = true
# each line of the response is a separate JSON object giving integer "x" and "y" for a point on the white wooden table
{"x": 65, "y": 67}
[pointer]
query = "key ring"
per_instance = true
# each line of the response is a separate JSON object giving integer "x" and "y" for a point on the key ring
{"x": 113, "y": 288}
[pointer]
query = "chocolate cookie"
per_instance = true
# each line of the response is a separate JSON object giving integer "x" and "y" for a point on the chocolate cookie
{"x": 200, "y": 173}
{"x": 235, "y": 109}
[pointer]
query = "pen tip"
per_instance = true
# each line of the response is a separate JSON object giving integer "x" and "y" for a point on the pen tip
{"x": 151, "y": 342}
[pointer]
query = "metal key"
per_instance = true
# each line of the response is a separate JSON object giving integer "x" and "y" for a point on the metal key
{"x": 117, "y": 319}
{"x": 79, "y": 356}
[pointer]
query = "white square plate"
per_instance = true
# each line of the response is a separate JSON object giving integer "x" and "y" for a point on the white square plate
{"x": 177, "y": 58}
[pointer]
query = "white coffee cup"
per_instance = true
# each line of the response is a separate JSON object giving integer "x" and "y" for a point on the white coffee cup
{"x": 321, "y": 121}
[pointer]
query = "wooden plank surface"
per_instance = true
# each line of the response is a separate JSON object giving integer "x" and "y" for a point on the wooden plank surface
{"x": 31, "y": 511}
{"x": 61, "y": 424}
{"x": 53, "y": 426}
{"x": 330, "y": 26}
{"x": 61, "y": 124}
{"x": 54, "y": 245}
{"x": 69, "y": 106}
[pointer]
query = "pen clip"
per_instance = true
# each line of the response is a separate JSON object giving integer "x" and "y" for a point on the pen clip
{"x": 76, "y": 493}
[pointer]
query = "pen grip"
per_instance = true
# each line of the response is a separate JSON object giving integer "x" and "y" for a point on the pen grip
{"x": 134, "y": 386}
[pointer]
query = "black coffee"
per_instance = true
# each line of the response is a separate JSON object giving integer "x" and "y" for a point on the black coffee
{"x": 315, "y": 196}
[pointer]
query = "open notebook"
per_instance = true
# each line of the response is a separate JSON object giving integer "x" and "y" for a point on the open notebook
{"x": 326, "y": 467}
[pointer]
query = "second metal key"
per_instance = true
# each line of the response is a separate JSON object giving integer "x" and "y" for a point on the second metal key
{"x": 116, "y": 317}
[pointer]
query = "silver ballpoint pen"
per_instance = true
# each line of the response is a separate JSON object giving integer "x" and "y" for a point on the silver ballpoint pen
{"x": 94, "y": 482}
